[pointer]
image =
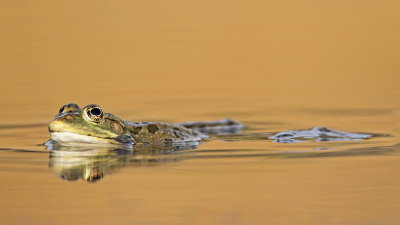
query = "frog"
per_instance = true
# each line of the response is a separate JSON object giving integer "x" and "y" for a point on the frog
{"x": 92, "y": 125}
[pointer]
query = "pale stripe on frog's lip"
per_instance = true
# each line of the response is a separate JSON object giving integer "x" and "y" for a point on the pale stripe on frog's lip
{"x": 72, "y": 138}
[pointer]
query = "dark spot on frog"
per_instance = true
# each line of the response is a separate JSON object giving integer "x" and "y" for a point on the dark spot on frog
{"x": 152, "y": 128}
{"x": 230, "y": 122}
{"x": 117, "y": 127}
{"x": 285, "y": 135}
{"x": 136, "y": 130}
{"x": 177, "y": 132}
{"x": 324, "y": 129}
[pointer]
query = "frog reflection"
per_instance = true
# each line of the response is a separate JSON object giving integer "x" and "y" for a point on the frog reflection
{"x": 93, "y": 164}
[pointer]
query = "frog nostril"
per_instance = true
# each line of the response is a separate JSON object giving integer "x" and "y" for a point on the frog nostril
{"x": 62, "y": 109}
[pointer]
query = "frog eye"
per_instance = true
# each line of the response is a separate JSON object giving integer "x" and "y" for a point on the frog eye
{"x": 94, "y": 113}
{"x": 69, "y": 108}
{"x": 62, "y": 109}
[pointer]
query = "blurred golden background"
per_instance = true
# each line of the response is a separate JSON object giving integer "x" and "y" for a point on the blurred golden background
{"x": 229, "y": 54}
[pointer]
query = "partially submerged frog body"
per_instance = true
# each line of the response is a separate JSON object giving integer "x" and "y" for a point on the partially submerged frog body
{"x": 73, "y": 125}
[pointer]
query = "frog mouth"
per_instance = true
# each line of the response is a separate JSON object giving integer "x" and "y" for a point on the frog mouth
{"x": 68, "y": 138}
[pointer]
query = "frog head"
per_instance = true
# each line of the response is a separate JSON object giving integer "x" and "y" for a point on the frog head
{"x": 89, "y": 125}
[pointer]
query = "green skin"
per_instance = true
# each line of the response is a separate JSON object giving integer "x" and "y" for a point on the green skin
{"x": 93, "y": 123}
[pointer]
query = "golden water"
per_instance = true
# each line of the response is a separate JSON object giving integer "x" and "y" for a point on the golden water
{"x": 273, "y": 65}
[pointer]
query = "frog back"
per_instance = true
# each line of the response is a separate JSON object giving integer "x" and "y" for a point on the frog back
{"x": 157, "y": 131}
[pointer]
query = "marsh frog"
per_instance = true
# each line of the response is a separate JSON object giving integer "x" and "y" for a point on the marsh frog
{"x": 91, "y": 125}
